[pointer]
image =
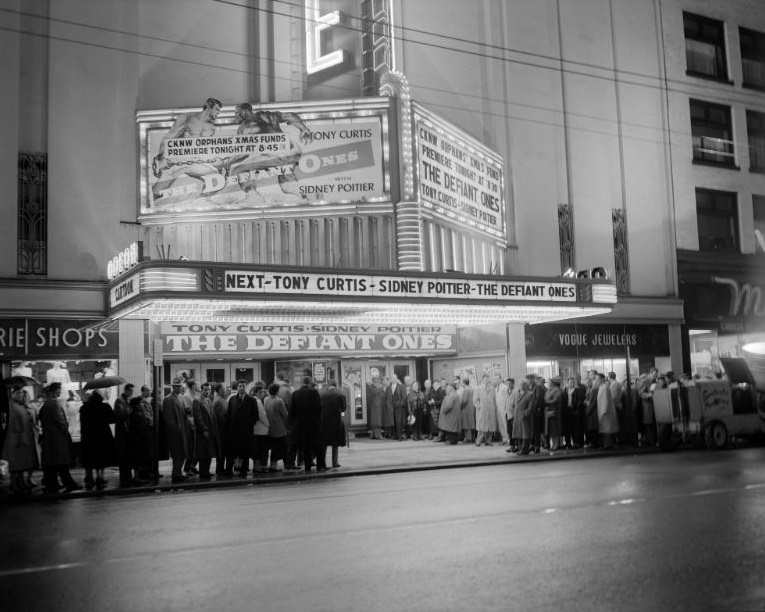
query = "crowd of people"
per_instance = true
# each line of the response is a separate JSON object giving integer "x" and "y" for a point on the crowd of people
{"x": 235, "y": 429}
{"x": 238, "y": 430}
{"x": 527, "y": 416}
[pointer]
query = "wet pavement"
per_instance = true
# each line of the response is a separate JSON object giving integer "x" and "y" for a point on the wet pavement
{"x": 363, "y": 456}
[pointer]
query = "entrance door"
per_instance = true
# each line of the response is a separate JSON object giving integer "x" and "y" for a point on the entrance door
{"x": 402, "y": 369}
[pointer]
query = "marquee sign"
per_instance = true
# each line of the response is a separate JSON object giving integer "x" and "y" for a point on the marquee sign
{"x": 458, "y": 178}
{"x": 262, "y": 156}
{"x": 260, "y": 282}
{"x": 308, "y": 338}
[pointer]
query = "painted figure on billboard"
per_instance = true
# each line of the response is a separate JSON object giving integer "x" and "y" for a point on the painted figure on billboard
{"x": 275, "y": 168}
{"x": 187, "y": 125}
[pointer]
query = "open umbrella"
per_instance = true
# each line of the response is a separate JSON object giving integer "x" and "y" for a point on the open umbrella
{"x": 104, "y": 382}
{"x": 19, "y": 380}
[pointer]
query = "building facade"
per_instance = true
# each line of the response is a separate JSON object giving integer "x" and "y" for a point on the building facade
{"x": 456, "y": 157}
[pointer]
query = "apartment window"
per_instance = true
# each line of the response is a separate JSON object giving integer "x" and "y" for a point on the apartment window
{"x": 755, "y": 128}
{"x": 758, "y": 204}
{"x": 712, "y": 133}
{"x": 717, "y": 218}
{"x": 705, "y": 47}
{"x": 753, "y": 57}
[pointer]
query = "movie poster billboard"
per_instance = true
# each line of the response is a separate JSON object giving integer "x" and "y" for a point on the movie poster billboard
{"x": 253, "y": 157}
{"x": 458, "y": 178}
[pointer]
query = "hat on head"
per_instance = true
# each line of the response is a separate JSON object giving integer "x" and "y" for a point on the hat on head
{"x": 177, "y": 381}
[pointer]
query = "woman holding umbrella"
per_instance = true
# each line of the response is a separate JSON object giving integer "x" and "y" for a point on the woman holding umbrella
{"x": 97, "y": 440}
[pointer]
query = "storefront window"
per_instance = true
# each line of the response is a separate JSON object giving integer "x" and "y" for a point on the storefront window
{"x": 73, "y": 376}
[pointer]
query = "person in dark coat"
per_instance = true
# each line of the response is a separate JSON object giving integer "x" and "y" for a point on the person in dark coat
{"x": 174, "y": 418}
{"x": 333, "y": 406}
{"x": 416, "y": 408}
{"x": 306, "y": 410}
{"x": 242, "y": 416}
{"x": 375, "y": 409}
{"x": 523, "y": 428}
{"x": 220, "y": 412}
{"x": 56, "y": 443}
{"x": 97, "y": 442}
{"x": 142, "y": 436}
{"x": 388, "y": 414}
{"x": 592, "y": 439}
{"x": 398, "y": 396}
{"x": 122, "y": 435}
{"x": 538, "y": 414}
{"x": 206, "y": 431}
{"x": 574, "y": 396}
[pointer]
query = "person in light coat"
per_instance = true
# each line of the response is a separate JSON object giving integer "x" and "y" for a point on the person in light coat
{"x": 502, "y": 398}
{"x": 608, "y": 421}
{"x": 450, "y": 417}
{"x": 485, "y": 411}
{"x": 19, "y": 449}
{"x": 553, "y": 414}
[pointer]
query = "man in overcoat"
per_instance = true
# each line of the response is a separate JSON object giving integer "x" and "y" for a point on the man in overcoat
{"x": 56, "y": 443}
{"x": 398, "y": 396}
{"x": 305, "y": 407}
{"x": 174, "y": 416}
{"x": 206, "y": 431}
{"x": 142, "y": 433}
{"x": 333, "y": 406}
{"x": 122, "y": 441}
{"x": 242, "y": 416}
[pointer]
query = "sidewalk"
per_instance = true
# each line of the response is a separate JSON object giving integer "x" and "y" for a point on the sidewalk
{"x": 362, "y": 458}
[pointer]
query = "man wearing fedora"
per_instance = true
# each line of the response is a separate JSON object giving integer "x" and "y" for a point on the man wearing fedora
{"x": 174, "y": 414}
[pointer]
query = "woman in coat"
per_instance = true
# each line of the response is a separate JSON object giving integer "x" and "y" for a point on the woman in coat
{"x": 522, "y": 419}
{"x": 450, "y": 417}
{"x": 608, "y": 421}
{"x": 56, "y": 443}
{"x": 20, "y": 449}
{"x": 97, "y": 444}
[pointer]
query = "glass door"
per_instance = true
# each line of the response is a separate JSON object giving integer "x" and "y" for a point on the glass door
{"x": 247, "y": 371}
{"x": 353, "y": 389}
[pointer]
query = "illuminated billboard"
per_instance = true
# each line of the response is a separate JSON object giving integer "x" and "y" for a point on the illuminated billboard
{"x": 459, "y": 179}
{"x": 217, "y": 159}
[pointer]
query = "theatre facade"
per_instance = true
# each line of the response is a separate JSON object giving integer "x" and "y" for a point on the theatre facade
{"x": 320, "y": 247}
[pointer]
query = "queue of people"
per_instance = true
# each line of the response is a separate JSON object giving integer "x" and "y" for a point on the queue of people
{"x": 533, "y": 414}
{"x": 207, "y": 431}
{"x": 216, "y": 431}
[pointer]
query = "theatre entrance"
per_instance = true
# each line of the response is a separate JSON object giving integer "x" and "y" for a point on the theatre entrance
{"x": 363, "y": 377}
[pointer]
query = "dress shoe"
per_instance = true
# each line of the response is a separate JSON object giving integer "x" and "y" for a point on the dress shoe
{"x": 178, "y": 479}
{"x": 73, "y": 487}
{"x": 337, "y": 465}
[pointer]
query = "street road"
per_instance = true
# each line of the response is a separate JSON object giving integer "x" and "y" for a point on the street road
{"x": 654, "y": 532}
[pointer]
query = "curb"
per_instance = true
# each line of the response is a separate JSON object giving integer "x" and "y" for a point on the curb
{"x": 302, "y": 477}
